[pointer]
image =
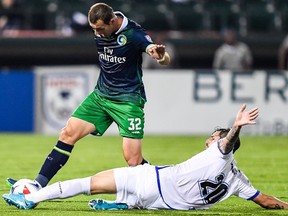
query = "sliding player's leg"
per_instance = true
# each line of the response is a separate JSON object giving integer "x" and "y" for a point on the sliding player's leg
{"x": 102, "y": 182}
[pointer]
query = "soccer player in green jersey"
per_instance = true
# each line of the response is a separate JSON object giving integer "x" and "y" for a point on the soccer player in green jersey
{"x": 119, "y": 95}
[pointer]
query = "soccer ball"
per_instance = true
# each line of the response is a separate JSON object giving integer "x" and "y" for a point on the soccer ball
{"x": 24, "y": 186}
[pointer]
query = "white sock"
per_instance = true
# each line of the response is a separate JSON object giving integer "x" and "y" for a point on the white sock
{"x": 61, "y": 190}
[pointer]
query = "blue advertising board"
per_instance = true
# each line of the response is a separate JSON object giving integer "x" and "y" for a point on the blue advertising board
{"x": 16, "y": 101}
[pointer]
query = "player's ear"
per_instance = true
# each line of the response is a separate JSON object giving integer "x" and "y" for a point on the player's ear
{"x": 112, "y": 21}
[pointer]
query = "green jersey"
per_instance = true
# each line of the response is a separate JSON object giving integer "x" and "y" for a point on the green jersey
{"x": 120, "y": 58}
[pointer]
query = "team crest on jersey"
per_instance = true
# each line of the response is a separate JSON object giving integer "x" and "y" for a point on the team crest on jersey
{"x": 148, "y": 38}
{"x": 121, "y": 40}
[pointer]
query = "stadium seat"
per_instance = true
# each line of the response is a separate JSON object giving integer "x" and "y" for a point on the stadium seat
{"x": 153, "y": 16}
{"x": 260, "y": 16}
{"x": 188, "y": 16}
{"x": 222, "y": 14}
{"x": 35, "y": 14}
{"x": 282, "y": 10}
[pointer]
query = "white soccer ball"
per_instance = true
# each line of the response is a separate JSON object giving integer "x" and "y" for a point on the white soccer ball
{"x": 24, "y": 186}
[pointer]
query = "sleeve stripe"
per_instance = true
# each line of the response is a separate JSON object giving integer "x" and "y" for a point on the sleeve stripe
{"x": 254, "y": 196}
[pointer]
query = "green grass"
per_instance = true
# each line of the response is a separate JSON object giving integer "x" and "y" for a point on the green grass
{"x": 262, "y": 159}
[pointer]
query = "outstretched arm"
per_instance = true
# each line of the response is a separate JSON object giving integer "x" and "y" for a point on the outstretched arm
{"x": 270, "y": 202}
{"x": 159, "y": 53}
{"x": 242, "y": 118}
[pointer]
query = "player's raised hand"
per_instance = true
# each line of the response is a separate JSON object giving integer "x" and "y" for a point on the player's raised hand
{"x": 157, "y": 51}
{"x": 246, "y": 117}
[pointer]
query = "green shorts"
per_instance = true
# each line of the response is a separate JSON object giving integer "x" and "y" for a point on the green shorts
{"x": 103, "y": 112}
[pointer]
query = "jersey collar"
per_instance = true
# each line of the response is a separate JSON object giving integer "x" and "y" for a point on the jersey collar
{"x": 124, "y": 23}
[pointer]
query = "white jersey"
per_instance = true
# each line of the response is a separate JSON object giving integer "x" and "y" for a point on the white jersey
{"x": 198, "y": 183}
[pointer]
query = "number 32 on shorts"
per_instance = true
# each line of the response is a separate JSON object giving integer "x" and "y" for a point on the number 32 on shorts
{"x": 135, "y": 124}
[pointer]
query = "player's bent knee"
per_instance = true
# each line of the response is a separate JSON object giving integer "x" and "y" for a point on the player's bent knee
{"x": 66, "y": 136}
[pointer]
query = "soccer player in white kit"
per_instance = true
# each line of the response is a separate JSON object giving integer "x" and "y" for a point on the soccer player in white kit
{"x": 198, "y": 183}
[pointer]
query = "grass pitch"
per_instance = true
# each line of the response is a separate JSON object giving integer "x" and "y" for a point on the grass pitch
{"x": 263, "y": 159}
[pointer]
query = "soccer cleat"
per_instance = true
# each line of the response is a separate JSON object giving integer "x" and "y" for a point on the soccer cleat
{"x": 10, "y": 182}
{"x": 98, "y": 204}
{"x": 19, "y": 201}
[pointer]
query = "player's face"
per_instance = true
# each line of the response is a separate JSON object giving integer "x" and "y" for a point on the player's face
{"x": 102, "y": 29}
{"x": 213, "y": 138}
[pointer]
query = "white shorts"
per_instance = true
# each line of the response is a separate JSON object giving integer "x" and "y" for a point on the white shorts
{"x": 137, "y": 187}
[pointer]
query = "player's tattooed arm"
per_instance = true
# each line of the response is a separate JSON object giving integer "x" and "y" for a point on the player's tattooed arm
{"x": 277, "y": 206}
{"x": 227, "y": 144}
{"x": 270, "y": 202}
{"x": 242, "y": 118}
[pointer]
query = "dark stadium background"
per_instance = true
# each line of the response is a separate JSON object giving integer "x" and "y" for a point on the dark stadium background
{"x": 56, "y": 33}
{"x": 50, "y": 34}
